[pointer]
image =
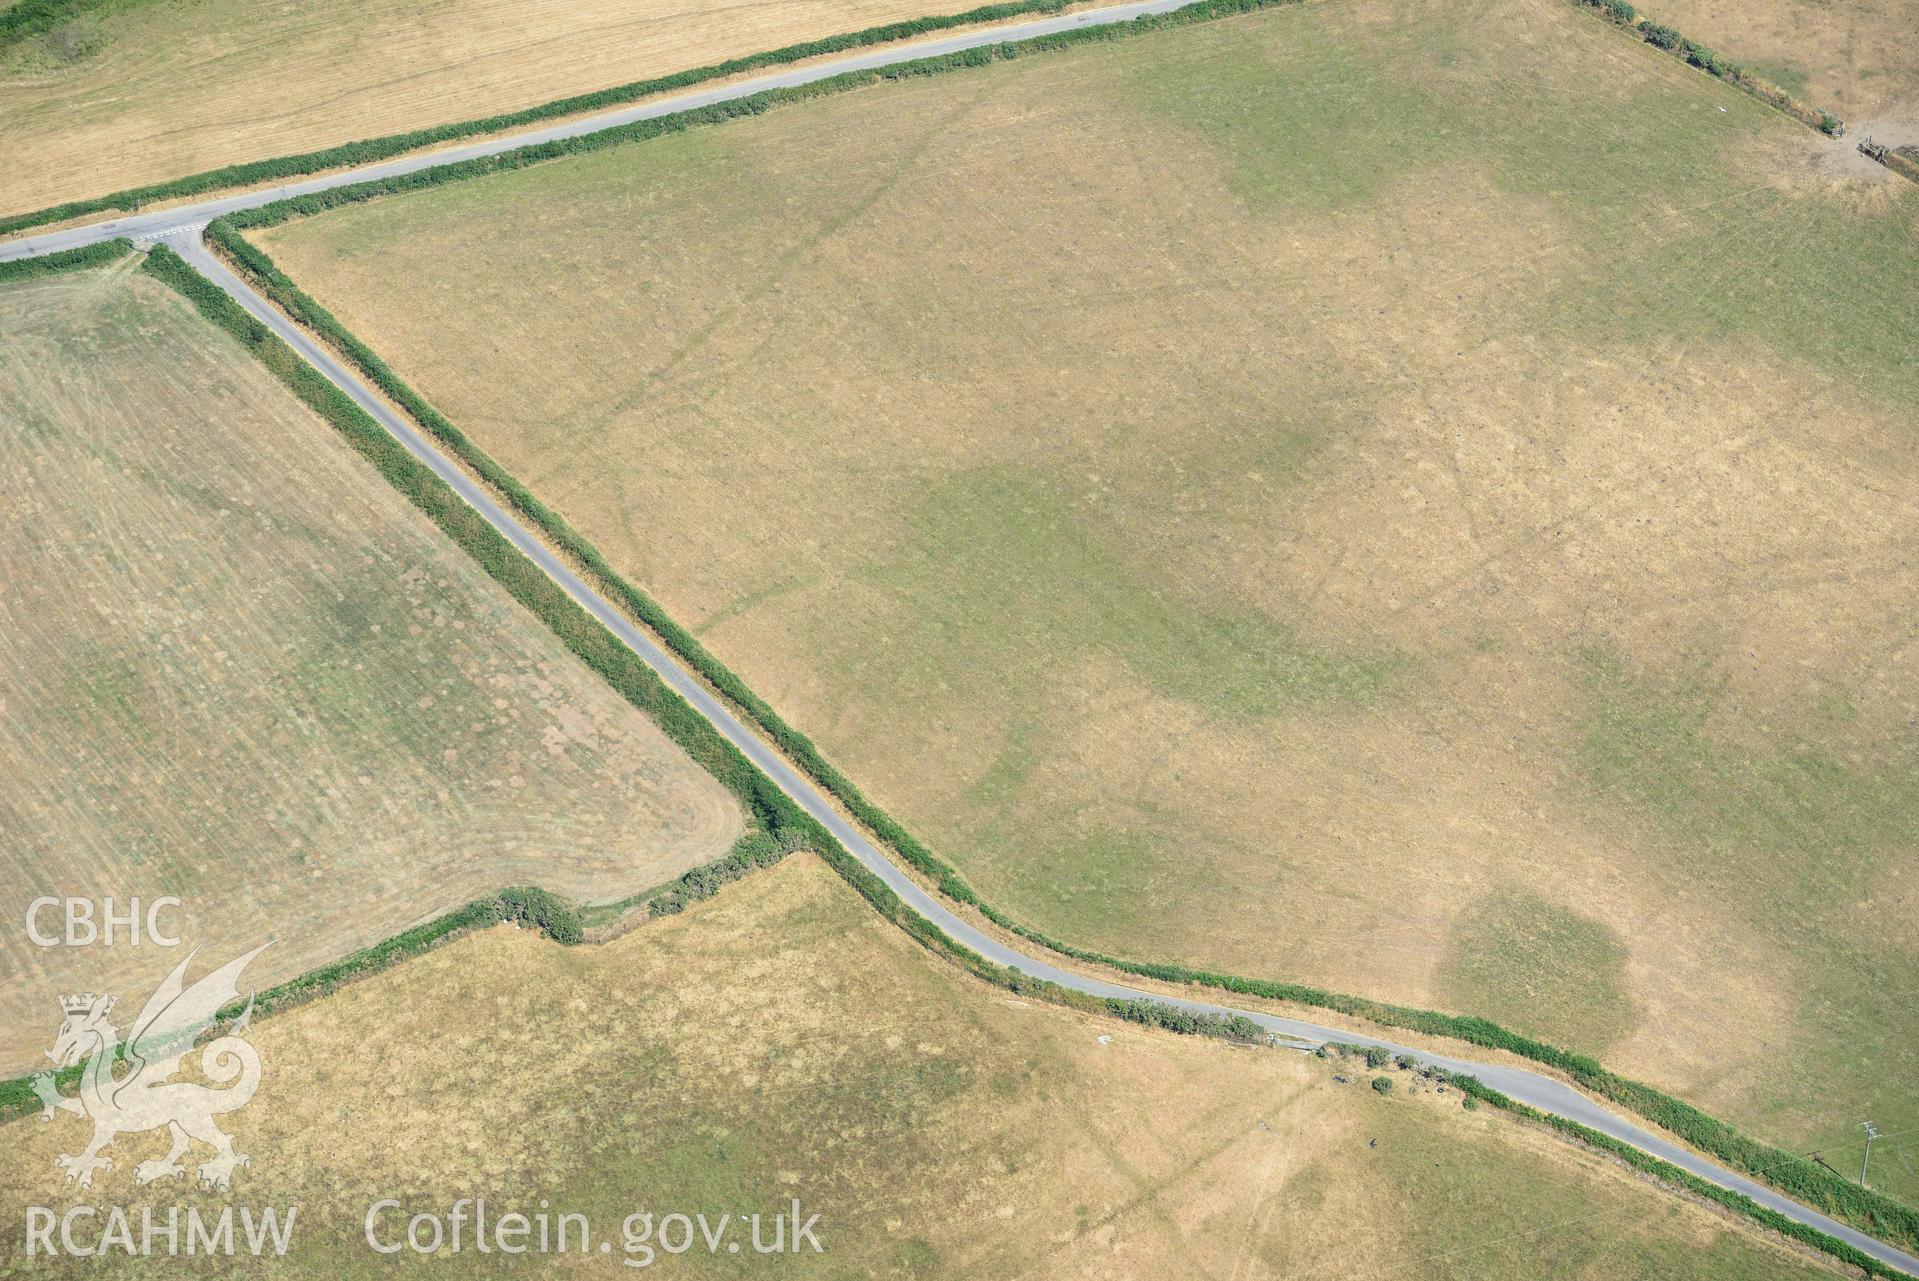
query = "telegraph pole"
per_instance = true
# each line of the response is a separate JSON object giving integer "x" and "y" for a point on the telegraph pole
{"x": 1872, "y": 1132}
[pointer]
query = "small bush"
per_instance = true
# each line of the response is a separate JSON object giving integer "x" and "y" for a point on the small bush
{"x": 1383, "y": 1084}
{"x": 1614, "y": 11}
{"x": 1376, "y": 1057}
{"x": 547, "y": 912}
{"x": 1663, "y": 37}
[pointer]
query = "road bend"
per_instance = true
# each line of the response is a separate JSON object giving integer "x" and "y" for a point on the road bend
{"x": 1532, "y": 1088}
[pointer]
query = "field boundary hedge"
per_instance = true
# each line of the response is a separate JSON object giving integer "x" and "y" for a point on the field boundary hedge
{"x": 1475, "y": 1089}
{"x": 777, "y": 825}
{"x": 1693, "y": 54}
{"x": 732, "y": 109}
{"x": 96, "y": 255}
{"x": 368, "y": 151}
{"x": 792, "y": 827}
{"x": 1797, "y": 1177}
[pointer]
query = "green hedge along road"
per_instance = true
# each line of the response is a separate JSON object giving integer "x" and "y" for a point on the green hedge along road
{"x": 150, "y": 226}
{"x": 1547, "y": 1095}
{"x": 179, "y": 228}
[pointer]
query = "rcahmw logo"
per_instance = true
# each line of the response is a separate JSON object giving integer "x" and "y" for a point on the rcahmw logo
{"x": 80, "y": 922}
{"x": 145, "y": 1097}
{"x": 126, "y": 1087}
{"x": 88, "y": 1231}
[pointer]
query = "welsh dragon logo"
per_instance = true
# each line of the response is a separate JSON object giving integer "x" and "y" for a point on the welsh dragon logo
{"x": 128, "y": 1091}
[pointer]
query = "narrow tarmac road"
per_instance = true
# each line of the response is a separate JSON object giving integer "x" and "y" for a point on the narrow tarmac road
{"x": 180, "y": 227}
{"x": 1532, "y": 1088}
{"x": 149, "y": 226}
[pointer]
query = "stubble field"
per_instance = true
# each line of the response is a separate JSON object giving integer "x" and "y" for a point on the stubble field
{"x": 1411, "y": 499}
{"x": 781, "y": 1041}
{"x": 136, "y": 91}
{"x": 243, "y": 671}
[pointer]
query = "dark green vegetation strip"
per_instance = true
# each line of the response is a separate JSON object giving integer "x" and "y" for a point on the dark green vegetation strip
{"x": 791, "y": 828}
{"x": 26, "y": 18}
{"x": 1691, "y": 52}
{"x": 1682, "y": 1179}
{"x": 1800, "y": 1178}
{"x": 779, "y": 826}
{"x": 68, "y": 260}
{"x": 733, "y": 109}
{"x": 783, "y": 825}
{"x": 352, "y": 154}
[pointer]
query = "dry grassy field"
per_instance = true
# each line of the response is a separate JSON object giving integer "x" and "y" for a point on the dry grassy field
{"x": 1413, "y": 499}
{"x": 1855, "y": 58}
{"x": 244, "y": 671}
{"x": 148, "y": 91}
{"x": 782, "y": 1041}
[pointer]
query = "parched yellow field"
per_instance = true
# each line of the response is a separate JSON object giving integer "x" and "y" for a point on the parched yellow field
{"x": 1413, "y": 499}
{"x": 1854, "y": 58}
{"x": 782, "y": 1041}
{"x": 153, "y": 91}
{"x": 243, "y": 670}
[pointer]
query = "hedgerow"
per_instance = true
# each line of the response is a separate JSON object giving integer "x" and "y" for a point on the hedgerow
{"x": 1798, "y": 1177}
{"x": 95, "y": 255}
{"x": 1660, "y": 36}
{"x": 1236, "y": 1027}
{"x": 753, "y": 852}
{"x": 780, "y": 825}
{"x": 369, "y": 151}
{"x": 719, "y": 112}
{"x": 32, "y": 16}
{"x": 1476, "y": 1091}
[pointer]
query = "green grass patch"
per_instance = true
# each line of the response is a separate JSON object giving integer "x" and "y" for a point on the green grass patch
{"x": 1003, "y": 576}
{"x": 1518, "y": 957}
{"x": 1801, "y": 813}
